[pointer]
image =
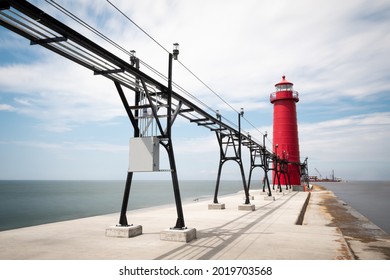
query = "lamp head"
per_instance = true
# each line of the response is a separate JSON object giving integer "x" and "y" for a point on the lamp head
{"x": 175, "y": 51}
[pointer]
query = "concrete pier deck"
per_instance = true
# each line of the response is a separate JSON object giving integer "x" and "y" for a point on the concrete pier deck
{"x": 269, "y": 232}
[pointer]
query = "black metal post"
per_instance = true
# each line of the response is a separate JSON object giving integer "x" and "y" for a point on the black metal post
{"x": 276, "y": 168}
{"x": 277, "y": 175}
{"x": 221, "y": 155}
{"x": 179, "y": 208}
{"x": 175, "y": 181}
{"x": 239, "y": 133}
{"x": 266, "y": 169}
{"x": 287, "y": 177}
{"x": 135, "y": 62}
{"x": 218, "y": 181}
{"x": 253, "y": 161}
{"x": 240, "y": 159}
{"x": 250, "y": 175}
{"x": 245, "y": 186}
{"x": 122, "y": 219}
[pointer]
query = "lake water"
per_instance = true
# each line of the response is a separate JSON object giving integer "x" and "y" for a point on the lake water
{"x": 369, "y": 198}
{"x": 28, "y": 203}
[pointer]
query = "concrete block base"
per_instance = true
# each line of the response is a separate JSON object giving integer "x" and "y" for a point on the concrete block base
{"x": 247, "y": 207}
{"x": 216, "y": 206}
{"x": 124, "y": 232}
{"x": 184, "y": 235}
{"x": 272, "y": 198}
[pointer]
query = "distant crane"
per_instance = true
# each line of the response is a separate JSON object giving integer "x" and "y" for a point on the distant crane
{"x": 318, "y": 173}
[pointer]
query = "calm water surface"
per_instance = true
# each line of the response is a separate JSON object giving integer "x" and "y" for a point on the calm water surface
{"x": 370, "y": 198}
{"x": 28, "y": 203}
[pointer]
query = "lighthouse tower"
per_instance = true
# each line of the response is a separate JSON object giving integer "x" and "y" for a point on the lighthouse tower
{"x": 285, "y": 131}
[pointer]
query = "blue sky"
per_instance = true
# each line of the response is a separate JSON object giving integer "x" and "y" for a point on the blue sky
{"x": 59, "y": 121}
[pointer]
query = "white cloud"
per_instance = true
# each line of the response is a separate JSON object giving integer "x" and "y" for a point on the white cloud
{"x": 241, "y": 50}
{"x": 356, "y": 141}
{"x": 60, "y": 95}
{"x": 71, "y": 146}
{"x": 6, "y": 107}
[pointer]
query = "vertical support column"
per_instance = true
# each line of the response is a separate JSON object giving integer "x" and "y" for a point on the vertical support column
{"x": 265, "y": 166}
{"x": 253, "y": 149}
{"x": 124, "y": 229}
{"x": 218, "y": 181}
{"x": 179, "y": 232}
{"x": 123, "y": 219}
{"x": 216, "y": 205}
{"x": 247, "y": 202}
{"x": 222, "y": 160}
{"x": 134, "y": 120}
{"x": 304, "y": 173}
{"x": 276, "y": 169}
{"x": 218, "y": 133}
{"x": 246, "y": 190}
{"x": 266, "y": 182}
{"x": 287, "y": 176}
{"x": 180, "y": 224}
{"x": 250, "y": 176}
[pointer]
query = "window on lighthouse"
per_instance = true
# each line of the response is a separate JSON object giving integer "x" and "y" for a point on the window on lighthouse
{"x": 285, "y": 87}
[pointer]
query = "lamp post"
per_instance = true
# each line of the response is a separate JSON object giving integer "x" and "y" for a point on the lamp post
{"x": 276, "y": 167}
{"x": 180, "y": 225}
{"x": 134, "y": 61}
{"x": 265, "y": 164}
{"x": 173, "y": 55}
{"x": 241, "y": 114}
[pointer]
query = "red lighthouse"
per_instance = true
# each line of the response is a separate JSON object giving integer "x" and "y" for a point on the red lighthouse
{"x": 285, "y": 131}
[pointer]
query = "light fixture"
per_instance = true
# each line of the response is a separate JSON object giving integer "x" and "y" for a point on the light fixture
{"x": 218, "y": 114}
{"x": 132, "y": 57}
{"x": 175, "y": 51}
